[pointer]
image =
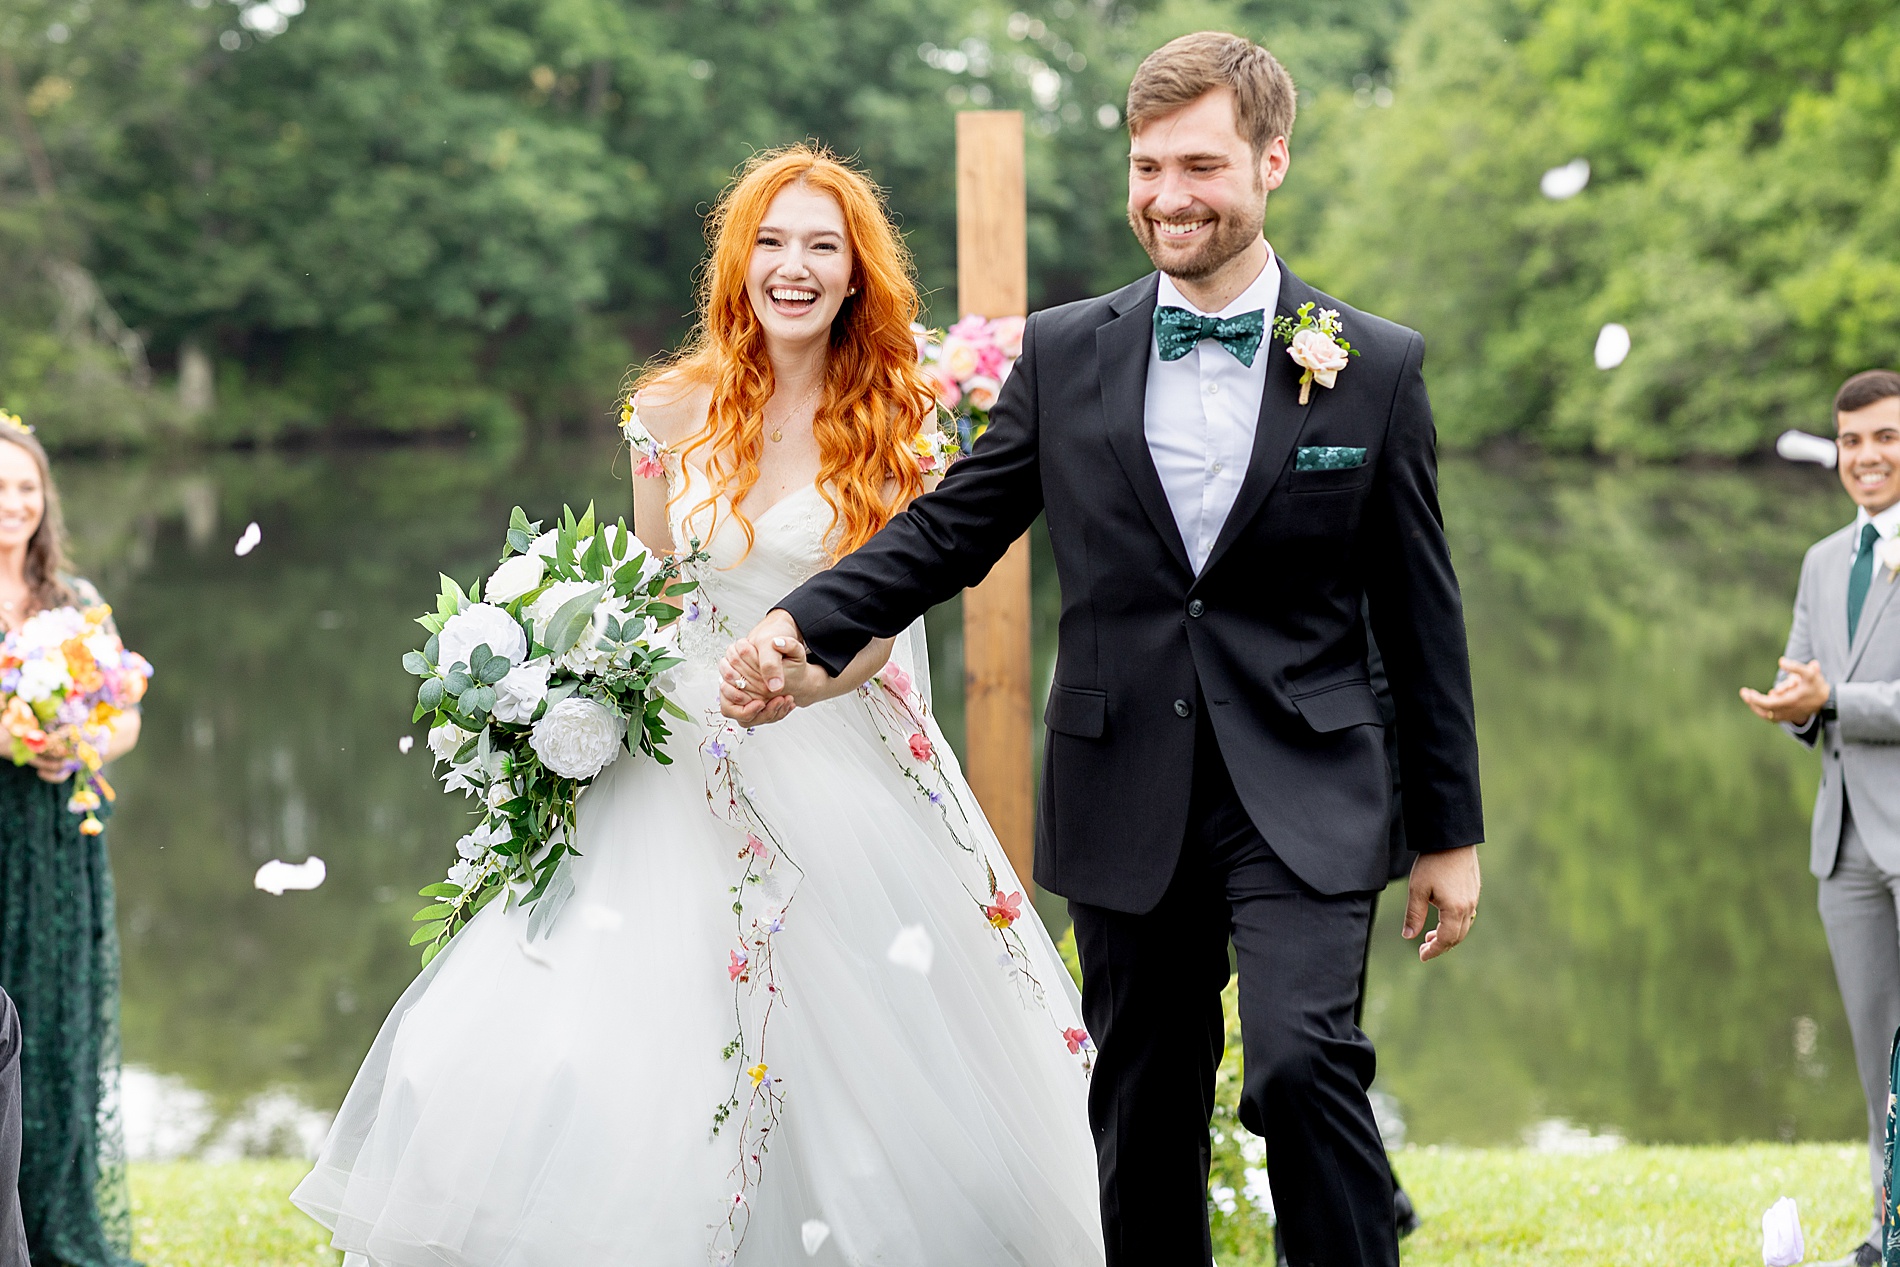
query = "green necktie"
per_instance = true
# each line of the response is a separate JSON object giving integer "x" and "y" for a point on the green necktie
{"x": 1177, "y": 331}
{"x": 1860, "y": 579}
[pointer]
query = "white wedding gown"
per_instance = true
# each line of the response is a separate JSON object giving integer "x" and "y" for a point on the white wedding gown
{"x": 550, "y": 1102}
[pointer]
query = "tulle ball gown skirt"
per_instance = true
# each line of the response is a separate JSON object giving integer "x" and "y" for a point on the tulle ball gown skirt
{"x": 551, "y": 1102}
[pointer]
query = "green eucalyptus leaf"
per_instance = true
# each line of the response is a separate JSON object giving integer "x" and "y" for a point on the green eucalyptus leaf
{"x": 457, "y": 681}
{"x": 429, "y": 696}
{"x": 432, "y": 649}
{"x": 412, "y": 662}
{"x": 495, "y": 670}
{"x": 570, "y": 621}
{"x": 467, "y": 750}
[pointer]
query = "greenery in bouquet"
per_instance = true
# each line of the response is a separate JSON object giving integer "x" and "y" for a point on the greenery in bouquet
{"x": 533, "y": 688}
{"x": 64, "y": 677}
{"x": 968, "y": 365}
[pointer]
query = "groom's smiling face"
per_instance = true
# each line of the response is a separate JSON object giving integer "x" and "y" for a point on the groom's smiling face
{"x": 1197, "y": 192}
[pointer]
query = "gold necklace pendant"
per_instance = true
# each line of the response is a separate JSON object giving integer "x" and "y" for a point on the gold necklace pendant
{"x": 778, "y": 433}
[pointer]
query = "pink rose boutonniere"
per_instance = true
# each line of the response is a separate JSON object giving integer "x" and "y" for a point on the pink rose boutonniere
{"x": 1314, "y": 342}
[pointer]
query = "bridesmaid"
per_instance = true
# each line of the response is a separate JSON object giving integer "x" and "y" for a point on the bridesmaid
{"x": 59, "y": 945}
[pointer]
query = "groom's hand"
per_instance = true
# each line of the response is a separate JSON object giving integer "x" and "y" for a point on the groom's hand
{"x": 1448, "y": 880}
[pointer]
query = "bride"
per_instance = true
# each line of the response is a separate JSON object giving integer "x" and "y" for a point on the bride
{"x": 796, "y": 1009}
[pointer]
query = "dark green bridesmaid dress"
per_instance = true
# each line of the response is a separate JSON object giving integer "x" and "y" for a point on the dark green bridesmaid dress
{"x": 59, "y": 959}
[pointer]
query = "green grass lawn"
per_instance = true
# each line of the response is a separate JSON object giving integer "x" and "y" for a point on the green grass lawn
{"x": 1482, "y": 1207}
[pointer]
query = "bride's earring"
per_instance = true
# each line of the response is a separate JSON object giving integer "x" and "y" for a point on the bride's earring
{"x": 851, "y": 292}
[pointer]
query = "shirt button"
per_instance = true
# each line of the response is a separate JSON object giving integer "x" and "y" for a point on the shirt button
{"x": 1182, "y": 708}
{"x": 1217, "y": 467}
{"x": 1212, "y": 389}
{"x": 1196, "y": 607}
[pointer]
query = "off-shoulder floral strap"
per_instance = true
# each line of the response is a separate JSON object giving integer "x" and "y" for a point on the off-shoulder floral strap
{"x": 651, "y": 459}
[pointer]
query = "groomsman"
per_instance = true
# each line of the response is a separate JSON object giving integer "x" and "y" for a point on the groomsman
{"x": 1839, "y": 690}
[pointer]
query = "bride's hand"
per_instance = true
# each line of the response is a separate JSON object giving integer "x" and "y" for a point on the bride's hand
{"x": 742, "y": 694}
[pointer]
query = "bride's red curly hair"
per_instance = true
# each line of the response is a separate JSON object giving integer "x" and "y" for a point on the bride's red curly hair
{"x": 875, "y": 399}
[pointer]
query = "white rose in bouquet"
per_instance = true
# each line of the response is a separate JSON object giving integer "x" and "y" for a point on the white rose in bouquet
{"x": 515, "y": 577}
{"x": 521, "y": 692}
{"x": 445, "y": 740}
{"x": 577, "y": 737}
{"x": 541, "y": 610}
{"x": 478, "y": 624}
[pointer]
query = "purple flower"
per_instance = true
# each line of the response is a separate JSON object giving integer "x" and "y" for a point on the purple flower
{"x": 716, "y": 750}
{"x": 936, "y": 798}
{"x": 692, "y": 610}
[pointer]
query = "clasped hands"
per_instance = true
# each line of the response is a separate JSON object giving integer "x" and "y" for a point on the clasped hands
{"x": 1795, "y": 698}
{"x": 765, "y": 675}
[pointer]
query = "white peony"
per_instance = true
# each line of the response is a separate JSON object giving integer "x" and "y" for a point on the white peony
{"x": 461, "y": 873}
{"x": 577, "y": 737}
{"x": 521, "y": 692}
{"x": 515, "y": 577}
{"x": 471, "y": 846}
{"x": 478, "y": 624}
{"x": 447, "y": 739}
{"x": 42, "y": 679}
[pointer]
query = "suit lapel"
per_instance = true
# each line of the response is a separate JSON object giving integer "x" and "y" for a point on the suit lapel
{"x": 1830, "y": 616}
{"x": 1121, "y": 350}
{"x": 1282, "y": 418}
{"x": 1879, "y": 598}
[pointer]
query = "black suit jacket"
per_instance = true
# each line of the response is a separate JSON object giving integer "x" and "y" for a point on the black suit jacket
{"x": 1269, "y": 634}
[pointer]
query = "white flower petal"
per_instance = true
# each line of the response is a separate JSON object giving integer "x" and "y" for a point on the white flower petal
{"x": 912, "y": 948}
{"x": 1613, "y": 346}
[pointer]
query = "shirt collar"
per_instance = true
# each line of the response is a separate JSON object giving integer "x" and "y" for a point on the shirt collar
{"x": 1886, "y": 523}
{"x": 1263, "y": 293}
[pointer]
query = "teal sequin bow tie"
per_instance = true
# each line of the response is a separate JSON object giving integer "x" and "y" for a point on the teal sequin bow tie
{"x": 1177, "y": 331}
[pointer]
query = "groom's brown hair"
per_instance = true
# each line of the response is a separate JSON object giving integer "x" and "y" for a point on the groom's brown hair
{"x": 1183, "y": 70}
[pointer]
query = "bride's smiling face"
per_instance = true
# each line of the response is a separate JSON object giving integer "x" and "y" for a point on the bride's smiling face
{"x": 800, "y": 273}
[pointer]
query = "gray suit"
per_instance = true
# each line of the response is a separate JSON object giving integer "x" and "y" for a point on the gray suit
{"x": 1854, "y": 848}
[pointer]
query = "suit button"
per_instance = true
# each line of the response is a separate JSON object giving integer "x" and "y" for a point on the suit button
{"x": 1182, "y": 708}
{"x": 1196, "y": 607}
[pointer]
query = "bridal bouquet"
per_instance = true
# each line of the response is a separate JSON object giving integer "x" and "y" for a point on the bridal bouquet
{"x": 64, "y": 675}
{"x": 968, "y": 364}
{"x": 533, "y": 688}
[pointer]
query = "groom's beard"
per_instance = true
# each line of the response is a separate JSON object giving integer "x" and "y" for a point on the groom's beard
{"x": 1231, "y": 235}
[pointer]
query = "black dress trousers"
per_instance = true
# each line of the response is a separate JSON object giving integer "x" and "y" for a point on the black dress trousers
{"x": 1151, "y": 998}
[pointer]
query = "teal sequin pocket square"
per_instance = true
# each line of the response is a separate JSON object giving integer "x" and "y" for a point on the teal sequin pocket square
{"x": 1328, "y": 458}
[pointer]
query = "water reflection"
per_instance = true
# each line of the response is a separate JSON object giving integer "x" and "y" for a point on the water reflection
{"x": 1649, "y": 960}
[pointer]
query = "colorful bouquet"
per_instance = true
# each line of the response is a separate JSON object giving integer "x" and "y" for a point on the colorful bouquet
{"x": 533, "y": 689}
{"x": 969, "y": 363}
{"x": 64, "y": 676}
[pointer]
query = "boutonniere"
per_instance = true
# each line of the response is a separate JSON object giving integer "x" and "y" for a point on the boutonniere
{"x": 1314, "y": 343}
{"x": 1887, "y": 555}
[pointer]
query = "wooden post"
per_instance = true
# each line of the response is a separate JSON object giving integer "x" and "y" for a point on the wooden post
{"x": 993, "y": 281}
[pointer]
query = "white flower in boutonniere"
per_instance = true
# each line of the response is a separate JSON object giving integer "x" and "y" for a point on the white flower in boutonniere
{"x": 1315, "y": 344}
{"x": 1887, "y": 555}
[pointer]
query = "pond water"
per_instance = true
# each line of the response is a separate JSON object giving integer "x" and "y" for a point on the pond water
{"x": 1648, "y": 961}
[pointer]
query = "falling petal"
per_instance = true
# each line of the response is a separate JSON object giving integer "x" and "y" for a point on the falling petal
{"x": 813, "y": 1233}
{"x": 911, "y": 949}
{"x": 275, "y": 876}
{"x": 1613, "y": 346}
{"x": 404, "y": 744}
{"x": 1781, "y": 1244}
{"x": 1799, "y": 446}
{"x": 1567, "y": 181}
{"x": 248, "y": 542}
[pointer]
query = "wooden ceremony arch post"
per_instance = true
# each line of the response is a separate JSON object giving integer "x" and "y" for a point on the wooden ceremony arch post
{"x": 993, "y": 281}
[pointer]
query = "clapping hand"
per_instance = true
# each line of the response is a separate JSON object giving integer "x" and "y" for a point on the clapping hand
{"x": 1795, "y": 698}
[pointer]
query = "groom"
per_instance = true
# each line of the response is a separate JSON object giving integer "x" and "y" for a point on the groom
{"x": 1215, "y": 767}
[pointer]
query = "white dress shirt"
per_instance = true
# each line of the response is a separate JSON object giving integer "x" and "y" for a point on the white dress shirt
{"x": 1886, "y": 523}
{"x": 1200, "y": 414}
